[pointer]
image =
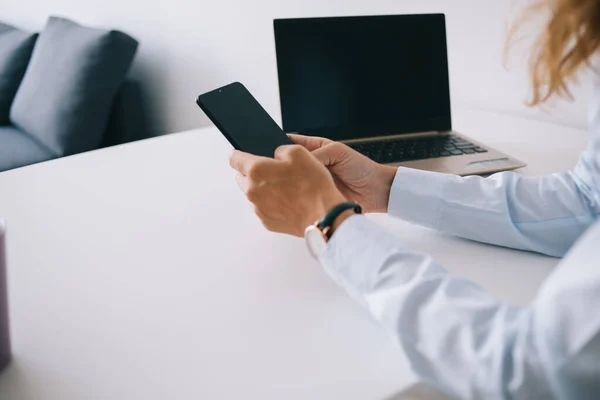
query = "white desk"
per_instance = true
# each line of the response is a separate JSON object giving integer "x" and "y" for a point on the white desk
{"x": 140, "y": 272}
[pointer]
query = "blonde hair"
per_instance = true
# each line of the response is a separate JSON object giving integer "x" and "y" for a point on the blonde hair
{"x": 570, "y": 38}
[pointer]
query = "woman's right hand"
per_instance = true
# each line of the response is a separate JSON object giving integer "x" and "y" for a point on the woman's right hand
{"x": 359, "y": 178}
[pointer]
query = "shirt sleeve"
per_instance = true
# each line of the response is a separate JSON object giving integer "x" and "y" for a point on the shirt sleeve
{"x": 545, "y": 214}
{"x": 460, "y": 340}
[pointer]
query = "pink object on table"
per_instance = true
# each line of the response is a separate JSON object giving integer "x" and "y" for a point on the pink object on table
{"x": 4, "y": 327}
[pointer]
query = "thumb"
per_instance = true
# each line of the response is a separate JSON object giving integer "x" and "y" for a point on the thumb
{"x": 331, "y": 154}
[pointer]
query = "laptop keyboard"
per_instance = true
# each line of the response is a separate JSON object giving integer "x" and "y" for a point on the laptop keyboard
{"x": 398, "y": 149}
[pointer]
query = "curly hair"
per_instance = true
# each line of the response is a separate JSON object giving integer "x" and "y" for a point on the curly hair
{"x": 570, "y": 38}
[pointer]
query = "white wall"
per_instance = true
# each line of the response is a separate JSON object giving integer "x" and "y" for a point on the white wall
{"x": 191, "y": 46}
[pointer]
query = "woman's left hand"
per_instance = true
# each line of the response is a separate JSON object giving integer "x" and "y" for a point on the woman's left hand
{"x": 289, "y": 192}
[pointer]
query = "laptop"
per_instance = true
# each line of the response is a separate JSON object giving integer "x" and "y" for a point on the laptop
{"x": 380, "y": 84}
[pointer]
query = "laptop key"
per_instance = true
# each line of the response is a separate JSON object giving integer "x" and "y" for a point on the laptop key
{"x": 456, "y": 152}
{"x": 468, "y": 151}
{"x": 465, "y": 146}
{"x": 480, "y": 150}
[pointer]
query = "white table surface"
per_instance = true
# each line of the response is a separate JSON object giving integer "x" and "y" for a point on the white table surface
{"x": 140, "y": 272}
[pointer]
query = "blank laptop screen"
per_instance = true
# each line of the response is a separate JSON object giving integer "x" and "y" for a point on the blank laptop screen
{"x": 356, "y": 77}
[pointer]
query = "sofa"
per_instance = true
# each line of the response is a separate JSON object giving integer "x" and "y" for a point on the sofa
{"x": 64, "y": 91}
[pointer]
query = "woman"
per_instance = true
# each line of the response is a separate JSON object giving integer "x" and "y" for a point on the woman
{"x": 456, "y": 336}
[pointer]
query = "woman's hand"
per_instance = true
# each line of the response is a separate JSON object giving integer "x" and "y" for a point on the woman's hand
{"x": 289, "y": 192}
{"x": 357, "y": 177}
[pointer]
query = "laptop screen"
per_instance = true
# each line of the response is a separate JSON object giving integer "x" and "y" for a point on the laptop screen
{"x": 358, "y": 77}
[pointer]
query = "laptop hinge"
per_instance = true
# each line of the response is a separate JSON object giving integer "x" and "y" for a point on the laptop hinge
{"x": 399, "y": 135}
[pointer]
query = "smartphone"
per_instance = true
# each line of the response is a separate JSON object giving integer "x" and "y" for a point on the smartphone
{"x": 242, "y": 120}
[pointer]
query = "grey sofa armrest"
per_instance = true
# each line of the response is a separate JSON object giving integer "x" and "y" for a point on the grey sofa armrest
{"x": 128, "y": 119}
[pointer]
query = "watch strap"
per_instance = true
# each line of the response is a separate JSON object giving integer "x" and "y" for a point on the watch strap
{"x": 331, "y": 215}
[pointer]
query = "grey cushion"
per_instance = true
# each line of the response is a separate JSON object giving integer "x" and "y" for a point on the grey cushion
{"x": 17, "y": 149}
{"x": 15, "y": 51}
{"x": 68, "y": 89}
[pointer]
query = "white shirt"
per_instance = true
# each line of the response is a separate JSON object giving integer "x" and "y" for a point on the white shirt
{"x": 457, "y": 338}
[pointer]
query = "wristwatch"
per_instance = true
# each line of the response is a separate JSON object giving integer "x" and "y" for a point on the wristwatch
{"x": 318, "y": 234}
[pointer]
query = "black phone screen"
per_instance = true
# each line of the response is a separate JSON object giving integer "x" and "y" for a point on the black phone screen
{"x": 242, "y": 120}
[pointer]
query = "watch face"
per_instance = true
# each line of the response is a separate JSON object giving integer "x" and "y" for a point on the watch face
{"x": 315, "y": 241}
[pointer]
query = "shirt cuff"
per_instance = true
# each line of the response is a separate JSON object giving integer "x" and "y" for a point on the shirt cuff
{"x": 354, "y": 253}
{"x": 417, "y": 196}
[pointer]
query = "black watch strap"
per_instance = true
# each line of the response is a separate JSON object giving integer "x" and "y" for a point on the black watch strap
{"x": 329, "y": 218}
